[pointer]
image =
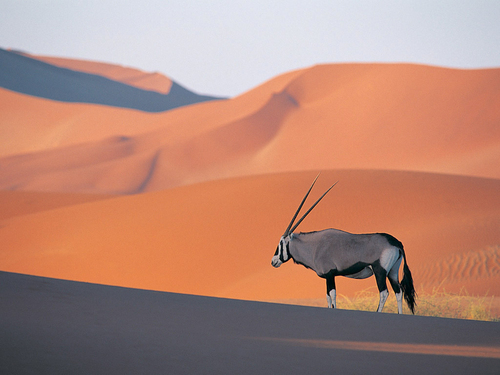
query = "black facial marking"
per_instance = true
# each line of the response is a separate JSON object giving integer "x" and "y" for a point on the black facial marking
{"x": 282, "y": 251}
{"x": 277, "y": 250}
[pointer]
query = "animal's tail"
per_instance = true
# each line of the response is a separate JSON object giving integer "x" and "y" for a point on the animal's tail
{"x": 409, "y": 292}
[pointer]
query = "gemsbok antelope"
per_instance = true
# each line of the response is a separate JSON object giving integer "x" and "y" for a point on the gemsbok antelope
{"x": 332, "y": 252}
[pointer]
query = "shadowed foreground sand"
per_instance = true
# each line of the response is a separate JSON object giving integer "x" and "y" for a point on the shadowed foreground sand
{"x": 50, "y": 326}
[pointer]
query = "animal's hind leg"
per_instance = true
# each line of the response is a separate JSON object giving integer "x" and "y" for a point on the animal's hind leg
{"x": 380, "y": 276}
{"x": 394, "y": 280}
{"x": 331, "y": 293}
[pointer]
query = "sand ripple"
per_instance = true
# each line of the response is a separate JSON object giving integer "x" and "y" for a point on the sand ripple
{"x": 462, "y": 267}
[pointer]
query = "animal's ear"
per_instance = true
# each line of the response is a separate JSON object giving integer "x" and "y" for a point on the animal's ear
{"x": 292, "y": 235}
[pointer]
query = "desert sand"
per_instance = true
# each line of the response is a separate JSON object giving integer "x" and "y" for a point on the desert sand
{"x": 19, "y": 203}
{"x": 51, "y": 326}
{"x": 194, "y": 199}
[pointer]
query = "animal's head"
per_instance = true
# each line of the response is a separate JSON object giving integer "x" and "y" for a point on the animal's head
{"x": 282, "y": 253}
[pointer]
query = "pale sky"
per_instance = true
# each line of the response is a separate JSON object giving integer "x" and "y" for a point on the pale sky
{"x": 226, "y": 47}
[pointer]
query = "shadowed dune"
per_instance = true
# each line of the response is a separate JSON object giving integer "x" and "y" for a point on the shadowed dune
{"x": 368, "y": 116}
{"x": 51, "y": 326}
{"x": 217, "y": 238}
{"x": 130, "y": 76}
{"x": 34, "y": 77}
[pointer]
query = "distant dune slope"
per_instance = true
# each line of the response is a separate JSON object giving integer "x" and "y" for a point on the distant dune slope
{"x": 217, "y": 238}
{"x": 29, "y": 76}
{"x": 369, "y": 116}
{"x": 130, "y": 76}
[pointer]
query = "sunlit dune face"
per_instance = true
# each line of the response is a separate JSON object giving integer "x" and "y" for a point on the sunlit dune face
{"x": 151, "y": 235}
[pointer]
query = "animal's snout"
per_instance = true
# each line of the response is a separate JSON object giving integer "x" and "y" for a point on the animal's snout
{"x": 276, "y": 262}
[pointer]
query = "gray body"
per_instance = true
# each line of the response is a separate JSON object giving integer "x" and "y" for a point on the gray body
{"x": 335, "y": 250}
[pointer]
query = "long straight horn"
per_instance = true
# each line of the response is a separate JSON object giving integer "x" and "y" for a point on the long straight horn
{"x": 298, "y": 210}
{"x": 309, "y": 210}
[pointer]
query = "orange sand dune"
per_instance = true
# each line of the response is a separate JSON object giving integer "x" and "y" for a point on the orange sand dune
{"x": 31, "y": 124}
{"x": 131, "y": 76}
{"x": 392, "y": 117}
{"x": 375, "y": 116}
{"x": 217, "y": 238}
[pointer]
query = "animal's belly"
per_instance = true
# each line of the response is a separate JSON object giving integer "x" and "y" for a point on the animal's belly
{"x": 363, "y": 274}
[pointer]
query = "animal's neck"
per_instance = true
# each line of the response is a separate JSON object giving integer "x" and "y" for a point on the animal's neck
{"x": 301, "y": 252}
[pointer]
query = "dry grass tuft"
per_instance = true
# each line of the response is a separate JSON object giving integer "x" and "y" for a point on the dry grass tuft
{"x": 438, "y": 303}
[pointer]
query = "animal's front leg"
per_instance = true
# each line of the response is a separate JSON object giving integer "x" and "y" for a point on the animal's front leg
{"x": 399, "y": 299}
{"x": 380, "y": 276}
{"x": 383, "y": 297}
{"x": 331, "y": 293}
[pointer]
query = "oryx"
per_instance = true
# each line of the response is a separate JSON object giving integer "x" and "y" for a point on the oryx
{"x": 332, "y": 252}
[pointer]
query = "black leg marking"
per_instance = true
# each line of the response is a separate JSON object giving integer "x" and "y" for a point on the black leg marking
{"x": 331, "y": 293}
{"x": 380, "y": 275}
{"x": 395, "y": 285}
{"x": 330, "y": 282}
